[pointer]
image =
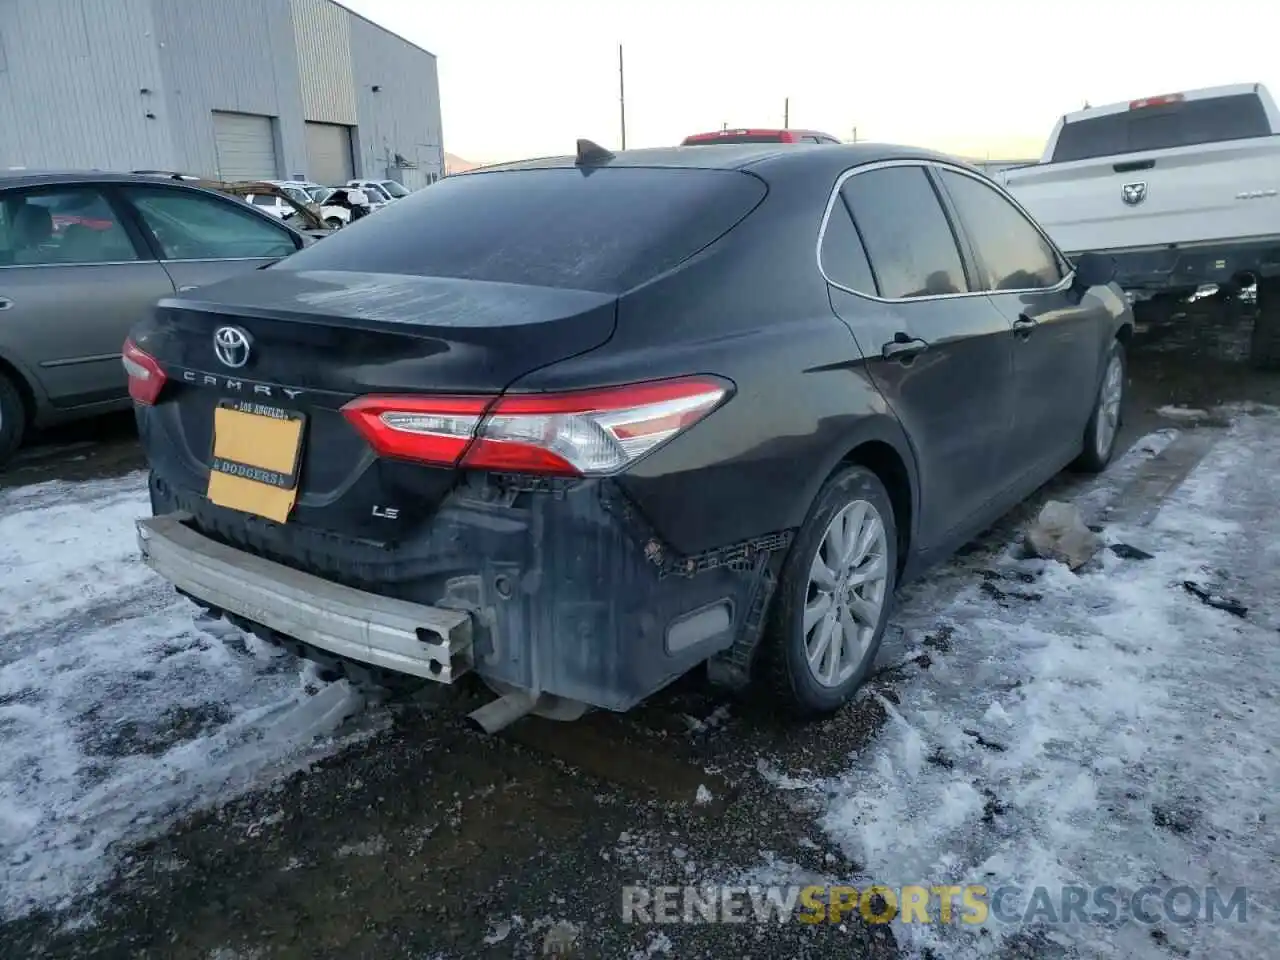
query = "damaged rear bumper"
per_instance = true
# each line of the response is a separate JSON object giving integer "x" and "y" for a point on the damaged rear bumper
{"x": 424, "y": 641}
{"x": 562, "y": 591}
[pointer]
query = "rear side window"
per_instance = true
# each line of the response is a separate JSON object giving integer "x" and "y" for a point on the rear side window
{"x": 1014, "y": 255}
{"x": 844, "y": 260}
{"x": 1213, "y": 119}
{"x": 605, "y": 230}
{"x": 908, "y": 238}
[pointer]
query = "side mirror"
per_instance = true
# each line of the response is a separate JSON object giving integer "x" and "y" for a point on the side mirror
{"x": 1094, "y": 269}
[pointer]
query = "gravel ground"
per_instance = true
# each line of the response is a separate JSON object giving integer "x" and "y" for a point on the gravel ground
{"x": 429, "y": 840}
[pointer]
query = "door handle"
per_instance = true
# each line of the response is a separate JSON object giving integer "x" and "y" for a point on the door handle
{"x": 1023, "y": 326}
{"x": 6, "y": 303}
{"x": 903, "y": 348}
{"x": 189, "y": 286}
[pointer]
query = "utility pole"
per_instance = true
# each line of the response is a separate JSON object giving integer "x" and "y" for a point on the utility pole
{"x": 786, "y": 113}
{"x": 855, "y": 134}
{"x": 622, "y": 98}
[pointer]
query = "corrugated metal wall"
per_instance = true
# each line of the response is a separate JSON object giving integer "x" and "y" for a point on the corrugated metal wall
{"x": 323, "y": 34}
{"x": 71, "y": 76}
{"x": 404, "y": 115}
{"x": 232, "y": 55}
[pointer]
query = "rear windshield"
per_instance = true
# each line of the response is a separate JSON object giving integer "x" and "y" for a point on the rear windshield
{"x": 1237, "y": 117}
{"x": 606, "y": 230}
{"x": 733, "y": 138}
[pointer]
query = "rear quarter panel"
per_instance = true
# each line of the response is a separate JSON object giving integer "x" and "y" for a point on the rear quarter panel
{"x": 754, "y": 309}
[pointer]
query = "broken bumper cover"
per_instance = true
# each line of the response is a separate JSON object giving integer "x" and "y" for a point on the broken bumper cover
{"x": 568, "y": 591}
{"x": 425, "y": 641}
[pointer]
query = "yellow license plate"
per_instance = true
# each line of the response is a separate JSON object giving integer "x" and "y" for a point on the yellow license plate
{"x": 257, "y": 453}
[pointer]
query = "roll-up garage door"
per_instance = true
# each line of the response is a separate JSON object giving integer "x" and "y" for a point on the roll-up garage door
{"x": 329, "y": 153}
{"x": 246, "y": 147}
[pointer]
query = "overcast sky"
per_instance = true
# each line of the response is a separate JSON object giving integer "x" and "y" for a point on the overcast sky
{"x": 525, "y": 78}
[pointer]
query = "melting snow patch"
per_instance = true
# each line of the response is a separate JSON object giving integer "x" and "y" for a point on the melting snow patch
{"x": 120, "y": 708}
{"x": 1118, "y": 733}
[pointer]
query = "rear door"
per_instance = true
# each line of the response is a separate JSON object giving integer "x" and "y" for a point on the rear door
{"x": 1056, "y": 333}
{"x": 74, "y": 277}
{"x": 938, "y": 350}
{"x": 202, "y": 238}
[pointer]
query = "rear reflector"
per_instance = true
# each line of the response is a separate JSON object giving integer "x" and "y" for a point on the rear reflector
{"x": 582, "y": 433}
{"x": 146, "y": 378}
{"x": 1160, "y": 101}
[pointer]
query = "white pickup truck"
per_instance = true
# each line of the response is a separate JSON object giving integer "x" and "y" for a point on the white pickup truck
{"x": 1183, "y": 190}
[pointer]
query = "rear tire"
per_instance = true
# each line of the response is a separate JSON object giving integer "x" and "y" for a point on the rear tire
{"x": 1264, "y": 348}
{"x": 334, "y": 223}
{"x": 13, "y": 419}
{"x": 1108, "y": 414}
{"x": 838, "y": 581}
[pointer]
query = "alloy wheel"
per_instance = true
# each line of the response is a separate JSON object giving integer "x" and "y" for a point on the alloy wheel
{"x": 1109, "y": 397}
{"x": 848, "y": 581}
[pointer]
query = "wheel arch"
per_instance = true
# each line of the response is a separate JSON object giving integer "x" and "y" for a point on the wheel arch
{"x": 24, "y": 384}
{"x": 880, "y": 445}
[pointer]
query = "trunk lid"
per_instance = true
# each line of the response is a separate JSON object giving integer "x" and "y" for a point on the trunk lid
{"x": 317, "y": 339}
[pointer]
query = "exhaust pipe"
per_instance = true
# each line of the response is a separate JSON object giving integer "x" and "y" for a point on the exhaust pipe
{"x": 501, "y": 713}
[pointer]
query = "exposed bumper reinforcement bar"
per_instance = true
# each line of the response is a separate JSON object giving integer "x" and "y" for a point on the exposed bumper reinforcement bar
{"x": 429, "y": 642}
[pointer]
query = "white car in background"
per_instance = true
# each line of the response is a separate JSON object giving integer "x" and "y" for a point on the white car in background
{"x": 304, "y": 192}
{"x": 380, "y": 192}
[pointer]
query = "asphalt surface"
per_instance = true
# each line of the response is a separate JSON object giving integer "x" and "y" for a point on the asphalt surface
{"x": 433, "y": 840}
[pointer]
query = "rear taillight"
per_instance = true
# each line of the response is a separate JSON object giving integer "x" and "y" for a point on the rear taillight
{"x": 581, "y": 433}
{"x": 430, "y": 429}
{"x": 146, "y": 378}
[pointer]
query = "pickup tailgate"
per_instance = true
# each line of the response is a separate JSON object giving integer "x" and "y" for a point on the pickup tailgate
{"x": 1205, "y": 193}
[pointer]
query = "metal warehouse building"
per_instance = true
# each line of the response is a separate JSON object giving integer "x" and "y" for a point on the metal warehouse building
{"x": 234, "y": 89}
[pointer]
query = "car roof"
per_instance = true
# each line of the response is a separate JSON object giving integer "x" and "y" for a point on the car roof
{"x": 18, "y": 177}
{"x": 765, "y": 159}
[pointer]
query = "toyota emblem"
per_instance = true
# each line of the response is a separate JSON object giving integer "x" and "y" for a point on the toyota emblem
{"x": 231, "y": 344}
{"x": 1134, "y": 193}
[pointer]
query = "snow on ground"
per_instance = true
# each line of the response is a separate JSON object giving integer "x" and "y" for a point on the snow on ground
{"x": 121, "y": 706}
{"x": 1106, "y": 728}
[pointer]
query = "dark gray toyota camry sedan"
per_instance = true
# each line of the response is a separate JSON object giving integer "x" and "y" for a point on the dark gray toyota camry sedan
{"x": 578, "y": 425}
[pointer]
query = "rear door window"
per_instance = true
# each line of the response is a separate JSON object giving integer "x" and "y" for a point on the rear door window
{"x": 193, "y": 226}
{"x": 605, "y": 230}
{"x": 1183, "y": 124}
{"x": 1013, "y": 253}
{"x": 908, "y": 238}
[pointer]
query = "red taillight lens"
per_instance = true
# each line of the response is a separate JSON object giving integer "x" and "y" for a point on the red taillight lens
{"x": 582, "y": 433}
{"x": 146, "y": 378}
{"x": 430, "y": 429}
